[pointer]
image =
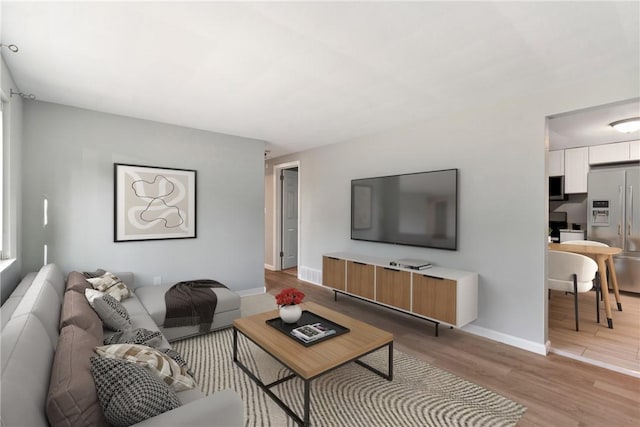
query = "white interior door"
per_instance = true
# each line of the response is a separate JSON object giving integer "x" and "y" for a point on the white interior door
{"x": 289, "y": 229}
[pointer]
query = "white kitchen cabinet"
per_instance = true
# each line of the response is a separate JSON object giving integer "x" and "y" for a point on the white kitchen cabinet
{"x": 576, "y": 169}
{"x": 556, "y": 163}
{"x": 609, "y": 153}
{"x": 567, "y": 235}
{"x": 634, "y": 150}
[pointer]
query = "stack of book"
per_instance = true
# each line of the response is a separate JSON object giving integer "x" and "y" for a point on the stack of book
{"x": 312, "y": 332}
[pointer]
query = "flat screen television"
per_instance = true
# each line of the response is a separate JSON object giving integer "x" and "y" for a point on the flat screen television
{"x": 416, "y": 209}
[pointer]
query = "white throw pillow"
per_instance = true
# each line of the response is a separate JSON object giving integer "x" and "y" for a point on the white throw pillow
{"x": 92, "y": 294}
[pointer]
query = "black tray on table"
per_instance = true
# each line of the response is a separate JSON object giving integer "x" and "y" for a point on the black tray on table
{"x": 307, "y": 318}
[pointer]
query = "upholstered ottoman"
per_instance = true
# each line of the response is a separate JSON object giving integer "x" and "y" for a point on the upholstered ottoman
{"x": 152, "y": 297}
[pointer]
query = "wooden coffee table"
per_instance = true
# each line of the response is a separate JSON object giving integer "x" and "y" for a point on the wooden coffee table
{"x": 308, "y": 363}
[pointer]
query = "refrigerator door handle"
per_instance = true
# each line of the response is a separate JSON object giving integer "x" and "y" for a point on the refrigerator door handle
{"x": 630, "y": 210}
{"x": 620, "y": 204}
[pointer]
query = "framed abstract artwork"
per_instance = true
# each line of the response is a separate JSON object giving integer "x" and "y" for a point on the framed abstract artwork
{"x": 152, "y": 203}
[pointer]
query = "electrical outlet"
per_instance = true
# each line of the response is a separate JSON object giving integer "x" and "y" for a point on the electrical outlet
{"x": 157, "y": 280}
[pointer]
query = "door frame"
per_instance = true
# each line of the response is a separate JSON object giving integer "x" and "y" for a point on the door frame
{"x": 277, "y": 216}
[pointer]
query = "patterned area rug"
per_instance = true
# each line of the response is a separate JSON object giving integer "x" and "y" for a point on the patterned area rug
{"x": 419, "y": 395}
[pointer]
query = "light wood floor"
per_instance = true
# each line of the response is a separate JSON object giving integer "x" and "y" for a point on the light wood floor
{"x": 557, "y": 391}
{"x": 619, "y": 346}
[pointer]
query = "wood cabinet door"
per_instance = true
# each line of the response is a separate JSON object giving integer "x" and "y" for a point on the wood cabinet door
{"x": 435, "y": 298}
{"x": 360, "y": 279}
{"x": 333, "y": 272}
{"x": 393, "y": 287}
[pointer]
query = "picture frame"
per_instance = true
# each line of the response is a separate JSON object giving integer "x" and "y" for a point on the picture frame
{"x": 153, "y": 203}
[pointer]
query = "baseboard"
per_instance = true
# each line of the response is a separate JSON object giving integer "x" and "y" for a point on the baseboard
{"x": 253, "y": 291}
{"x": 270, "y": 267}
{"x": 531, "y": 346}
{"x": 310, "y": 275}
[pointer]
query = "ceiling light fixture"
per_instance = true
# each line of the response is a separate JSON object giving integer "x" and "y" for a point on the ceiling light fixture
{"x": 626, "y": 125}
{"x": 12, "y": 47}
{"x": 24, "y": 95}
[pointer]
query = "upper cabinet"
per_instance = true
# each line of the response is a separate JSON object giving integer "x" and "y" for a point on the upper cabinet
{"x": 634, "y": 150}
{"x": 613, "y": 153}
{"x": 576, "y": 169}
{"x": 556, "y": 163}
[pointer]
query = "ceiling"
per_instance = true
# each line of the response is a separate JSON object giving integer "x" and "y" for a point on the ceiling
{"x": 591, "y": 126}
{"x": 302, "y": 74}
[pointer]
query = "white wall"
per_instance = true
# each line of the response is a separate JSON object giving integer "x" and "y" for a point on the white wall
{"x": 10, "y": 271}
{"x": 69, "y": 155}
{"x": 500, "y": 152}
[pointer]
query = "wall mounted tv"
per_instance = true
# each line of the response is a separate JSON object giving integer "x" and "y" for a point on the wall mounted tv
{"x": 416, "y": 209}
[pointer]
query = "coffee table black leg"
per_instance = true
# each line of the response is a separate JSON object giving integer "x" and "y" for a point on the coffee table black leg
{"x": 235, "y": 345}
{"x": 390, "y": 361}
{"x": 389, "y": 374}
{"x": 307, "y": 393}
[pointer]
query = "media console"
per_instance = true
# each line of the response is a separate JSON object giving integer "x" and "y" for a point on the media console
{"x": 436, "y": 294}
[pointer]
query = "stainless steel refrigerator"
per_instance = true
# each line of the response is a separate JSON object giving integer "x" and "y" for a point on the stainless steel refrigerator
{"x": 614, "y": 218}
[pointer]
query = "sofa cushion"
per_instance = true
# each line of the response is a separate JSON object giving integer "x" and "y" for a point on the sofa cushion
{"x": 76, "y": 282}
{"x": 72, "y": 398}
{"x": 129, "y": 393}
{"x": 152, "y": 297}
{"x": 135, "y": 336}
{"x": 24, "y": 284}
{"x": 26, "y": 354}
{"x": 113, "y": 314}
{"x": 52, "y": 274}
{"x": 77, "y": 311}
{"x": 42, "y": 300}
{"x": 157, "y": 362}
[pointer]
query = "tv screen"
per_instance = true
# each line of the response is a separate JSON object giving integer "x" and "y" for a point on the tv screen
{"x": 417, "y": 209}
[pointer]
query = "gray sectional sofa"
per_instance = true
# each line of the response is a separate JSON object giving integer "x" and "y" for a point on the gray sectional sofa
{"x": 48, "y": 335}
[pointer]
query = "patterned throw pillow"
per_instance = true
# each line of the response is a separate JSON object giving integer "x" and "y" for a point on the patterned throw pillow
{"x": 112, "y": 285}
{"x": 178, "y": 359}
{"x": 113, "y": 314}
{"x": 93, "y": 274}
{"x": 159, "y": 363}
{"x": 135, "y": 336}
{"x": 128, "y": 393}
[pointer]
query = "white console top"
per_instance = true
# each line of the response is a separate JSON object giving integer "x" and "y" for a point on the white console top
{"x": 444, "y": 273}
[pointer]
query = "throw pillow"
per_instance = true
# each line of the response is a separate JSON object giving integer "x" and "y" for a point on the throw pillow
{"x": 157, "y": 362}
{"x": 119, "y": 291}
{"x": 111, "y": 284}
{"x": 178, "y": 359}
{"x": 93, "y": 274}
{"x": 113, "y": 314}
{"x": 92, "y": 294}
{"x": 128, "y": 393}
{"x": 135, "y": 336}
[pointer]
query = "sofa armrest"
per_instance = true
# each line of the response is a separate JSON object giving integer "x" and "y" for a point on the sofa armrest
{"x": 223, "y": 408}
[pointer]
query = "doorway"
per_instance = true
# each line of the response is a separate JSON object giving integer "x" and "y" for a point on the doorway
{"x": 287, "y": 219}
{"x": 571, "y": 137}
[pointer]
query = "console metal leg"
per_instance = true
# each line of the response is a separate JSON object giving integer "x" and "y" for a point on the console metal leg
{"x": 335, "y": 296}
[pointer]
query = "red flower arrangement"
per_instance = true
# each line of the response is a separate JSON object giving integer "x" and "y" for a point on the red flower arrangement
{"x": 289, "y": 296}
